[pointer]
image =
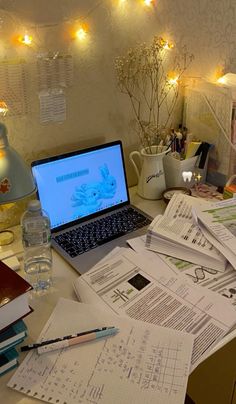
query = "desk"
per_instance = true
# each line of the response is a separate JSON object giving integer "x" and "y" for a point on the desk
{"x": 63, "y": 277}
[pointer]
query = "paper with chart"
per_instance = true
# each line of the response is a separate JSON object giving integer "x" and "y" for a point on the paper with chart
{"x": 130, "y": 284}
{"x": 176, "y": 233}
{"x": 139, "y": 364}
{"x": 219, "y": 226}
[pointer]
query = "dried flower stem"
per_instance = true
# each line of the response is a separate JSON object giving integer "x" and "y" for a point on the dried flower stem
{"x": 142, "y": 75}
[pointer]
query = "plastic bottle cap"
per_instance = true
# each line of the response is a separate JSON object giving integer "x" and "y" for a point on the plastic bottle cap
{"x": 6, "y": 237}
{"x": 34, "y": 205}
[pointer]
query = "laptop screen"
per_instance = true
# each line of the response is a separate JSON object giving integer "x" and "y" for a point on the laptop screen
{"x": 79, "y": 184}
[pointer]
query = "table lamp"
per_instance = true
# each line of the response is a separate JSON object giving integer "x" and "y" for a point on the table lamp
{"x": 16, "y": 180}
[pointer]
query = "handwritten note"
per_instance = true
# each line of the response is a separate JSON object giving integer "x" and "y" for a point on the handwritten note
{"x": 139, "y": 364}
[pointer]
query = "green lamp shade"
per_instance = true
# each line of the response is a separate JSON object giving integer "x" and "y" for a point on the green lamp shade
{"x": 16, "y": 180}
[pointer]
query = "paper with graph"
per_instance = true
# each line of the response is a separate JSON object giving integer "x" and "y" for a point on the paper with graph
{"x": 140, "y": 364}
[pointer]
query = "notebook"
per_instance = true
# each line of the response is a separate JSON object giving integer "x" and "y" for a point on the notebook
{"x": 85, "y": 194}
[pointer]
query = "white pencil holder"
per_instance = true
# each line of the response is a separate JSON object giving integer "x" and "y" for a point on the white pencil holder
{"x": 174, "y": 168}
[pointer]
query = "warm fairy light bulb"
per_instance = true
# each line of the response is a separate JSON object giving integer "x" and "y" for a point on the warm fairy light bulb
{"x": 173, "y": 80}
{"x": 25, "y": 39}
{"x": 167, "y": 45}
{"x": 3, "y": 108}
{"x": 148, "y": 2}
{"x": 81, "y": 33}
{"x": 221, "y": 80}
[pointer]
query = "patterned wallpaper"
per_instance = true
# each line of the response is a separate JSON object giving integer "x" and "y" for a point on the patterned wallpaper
{"x": 96, "y": 110}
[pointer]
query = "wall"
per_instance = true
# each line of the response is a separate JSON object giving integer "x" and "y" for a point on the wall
{"x": 96, "y": 110}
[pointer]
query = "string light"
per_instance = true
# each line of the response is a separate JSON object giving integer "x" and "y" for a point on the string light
{"x": 25, "y": 39}
{"x": 173, "y": 80}
{"x": 3, "y": 108}
{"x": 221, "y": 80}
{"x": 81, "y": 34}
{"x": 148, "y": 2}
{"x": 166, "y": 45}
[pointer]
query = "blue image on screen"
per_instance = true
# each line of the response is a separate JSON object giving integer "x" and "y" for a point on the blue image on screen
{"x": 78, "y": 185}
{"x": 89, "y": 196}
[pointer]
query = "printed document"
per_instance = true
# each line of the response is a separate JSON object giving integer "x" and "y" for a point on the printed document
{"x": 130, "y": 284}
{"x": 219, "y": 224}
{"x": 138, "y": 365}
{"x": 216, "y": 281}
{"x": 177, "y": 233}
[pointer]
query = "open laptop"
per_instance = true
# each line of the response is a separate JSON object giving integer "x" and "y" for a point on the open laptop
{"x": 86, "y": 196}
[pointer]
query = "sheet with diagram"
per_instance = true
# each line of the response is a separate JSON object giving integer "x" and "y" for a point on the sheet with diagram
{"x": 139, "y": 364}
{"x": 177, "y": 233}
{"x": 216, "y": 281}
{"x": 130, "y": 284}
{"x": 222, "y": 283}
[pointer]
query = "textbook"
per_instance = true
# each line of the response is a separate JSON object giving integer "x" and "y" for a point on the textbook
{"x": 13, "y": 296}
{"x": 12, "y": 335}
{"x": 8, "y": 360}
{"x": 177, "y": 234}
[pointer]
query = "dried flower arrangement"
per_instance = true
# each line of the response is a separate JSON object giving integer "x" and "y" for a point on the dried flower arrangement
{"x": 152, "y": 80}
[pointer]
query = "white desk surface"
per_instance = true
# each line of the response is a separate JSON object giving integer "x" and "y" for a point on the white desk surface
{"x": 63, "y": 277}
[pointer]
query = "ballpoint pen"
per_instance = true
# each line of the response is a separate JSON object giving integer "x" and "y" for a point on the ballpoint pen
{"x": 77, "y": 340}
{"x": 66, "y": 337}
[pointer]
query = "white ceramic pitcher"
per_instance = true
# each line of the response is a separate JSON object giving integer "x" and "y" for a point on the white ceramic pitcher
{"x": 151, "y": 178}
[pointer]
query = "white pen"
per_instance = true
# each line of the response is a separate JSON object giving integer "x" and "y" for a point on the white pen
{"x": 77, "y": 340}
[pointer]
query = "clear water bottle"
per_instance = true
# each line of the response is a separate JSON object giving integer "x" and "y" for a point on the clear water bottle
{"x": 36, "y": 238}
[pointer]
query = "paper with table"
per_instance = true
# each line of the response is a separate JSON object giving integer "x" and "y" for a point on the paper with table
{"x": 130, "y": 284}
{"x": 176, "y": 233}
{"x": 218, "y": 222}
{"x": 138, "y": 364}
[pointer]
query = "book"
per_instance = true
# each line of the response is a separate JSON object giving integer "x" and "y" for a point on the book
{"x": 13, "y": 296}
{"x": 177, "y": 234}
{"x": 12, "y": 335}
{"x": 8, "y": 360}
{"x": 136, "y": 365}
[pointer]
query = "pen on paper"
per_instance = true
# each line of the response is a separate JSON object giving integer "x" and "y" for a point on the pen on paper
{"x": 77, "y": 340}
{"x": 66, "y": 337}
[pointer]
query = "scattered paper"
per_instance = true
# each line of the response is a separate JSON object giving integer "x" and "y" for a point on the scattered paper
{"x": 141, "y": 365}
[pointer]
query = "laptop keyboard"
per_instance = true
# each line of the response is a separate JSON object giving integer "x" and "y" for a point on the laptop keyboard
{"x": 86, "y": 237}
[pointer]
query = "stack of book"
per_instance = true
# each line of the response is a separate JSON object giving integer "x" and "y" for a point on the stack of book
{"x": 13, "y": 307}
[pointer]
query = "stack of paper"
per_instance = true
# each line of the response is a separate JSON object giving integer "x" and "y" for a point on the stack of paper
{"x": 218, "y": 223}
{"x": 177, "y": 234}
